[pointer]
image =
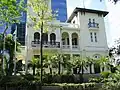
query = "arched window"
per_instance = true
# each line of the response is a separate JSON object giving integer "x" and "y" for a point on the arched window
{"x": 52, "y": 37}
{"x": 74, "y": 39}
{"x": 65, "y": 38}
{"x": 36, "y": 36}
{"x": 45, "y": 37}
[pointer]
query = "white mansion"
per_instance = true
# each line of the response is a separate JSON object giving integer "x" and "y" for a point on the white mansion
{"x": 83, "y": 34}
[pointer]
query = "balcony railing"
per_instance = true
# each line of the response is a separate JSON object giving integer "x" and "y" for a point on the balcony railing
{"x": 93, "y": 25}
{"x": 69, "y": 25}
{"x": 65, "y": 46}
{"x": 75, "y": 46}
{"x": 46, "y": 44}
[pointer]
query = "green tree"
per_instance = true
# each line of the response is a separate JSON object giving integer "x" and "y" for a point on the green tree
{"x": 10, "y": 46}
{"x": 40, "y": 14}
{"x": 34, "y": 62}
{"x": 81, "y": 63}
{"x": 90, "y": 62}
{"x": 10, "y": 13}
{"x": 48, "y": 62}
{"x": 104, "y": 63}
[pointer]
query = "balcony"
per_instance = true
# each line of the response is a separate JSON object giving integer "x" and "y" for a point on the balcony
{"x": 69, "y": 25}
{"x": 93, "y": 25}
{"x": 75, "y": 46}
{"x": 65, "y": 46}
{"x": 46, "y": 44}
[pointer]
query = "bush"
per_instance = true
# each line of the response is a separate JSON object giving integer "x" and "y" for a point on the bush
{"x": 95, "y": 80}
{"x": 105, "y": 74}
{"x": 47, "y": 78}
{"x": 67, "y": 78}
{"x": 72, "y": 86}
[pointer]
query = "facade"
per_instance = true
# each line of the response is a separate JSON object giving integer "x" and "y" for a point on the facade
{"x": 61, "y": 7}
{"x": 83, "y": 34}
{"x": 56, "y": 5}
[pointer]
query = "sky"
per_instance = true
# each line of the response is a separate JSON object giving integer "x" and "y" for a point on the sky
{"x": 112, "y": 23}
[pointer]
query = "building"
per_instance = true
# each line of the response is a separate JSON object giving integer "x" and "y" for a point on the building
{"x": 56, "y": 5}
{"x": 61, "y": 7}
{"x": 83, "y": 34}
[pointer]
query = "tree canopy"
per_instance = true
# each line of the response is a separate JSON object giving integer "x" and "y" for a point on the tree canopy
{"x": 11, "y": 11}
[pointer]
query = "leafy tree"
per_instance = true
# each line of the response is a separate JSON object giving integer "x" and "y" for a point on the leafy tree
{"x": 104, "y": 63}
{"x": 81, "y": 63}
{"x": 40, "y": 14}
{"x": 10, "y": 13}
{"x": 10, "y": 47}
{"x": 90, "y": 62}
{"x": 34, "y": 63}
{"x": 48, "y": 62}
{"x": 67, "y": 63}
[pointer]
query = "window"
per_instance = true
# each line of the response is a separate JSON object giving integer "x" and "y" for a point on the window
{"x": 89, "y": 20}
{"x": 45, "y": 37}
{"x": 36, "y": 36}
{"x": 63, "y": 41}
{"x": 95, "y": 35}
{"x": 21, "y": 29}
{"x": 52, "y": 37}
{"x": 91, "y": 36}
{"x": 74, "y": 21}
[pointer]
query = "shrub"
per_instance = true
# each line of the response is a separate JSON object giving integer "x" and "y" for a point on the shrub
{"x": 105, "y": 74}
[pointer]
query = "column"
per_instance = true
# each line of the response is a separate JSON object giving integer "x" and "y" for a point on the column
{"x": 93, "y": 71}
{"x": 48, "y": 37}
{"x": 70, "y": 40}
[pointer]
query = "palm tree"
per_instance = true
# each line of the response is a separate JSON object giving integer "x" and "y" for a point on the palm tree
{"x": 34, "y": 62}
{"x": 66, "y": 63}
{"x": 103, "y": 62}
{"x": 90, "y": 61}
{"x": 80, "y": 63}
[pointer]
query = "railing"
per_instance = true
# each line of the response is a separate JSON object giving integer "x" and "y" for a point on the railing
{"x": 69, "y": 25}
{"x": 75, "y": 46}
{"x": 65, "y": 46}
{"x": 46, "y": 44}
{"x": 68, "y": 47}
{"x": 93, "y": 25}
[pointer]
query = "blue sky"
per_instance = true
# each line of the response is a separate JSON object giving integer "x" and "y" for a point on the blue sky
{"x": 112, "y": 22}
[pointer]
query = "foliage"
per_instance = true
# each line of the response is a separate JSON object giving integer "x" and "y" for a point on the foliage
{"x": 81, "y": 63}
{"x": 35, "y": 63}
{"x": 105, "y": 74}
{"x": 95, "y": 80}
{"x": 40, "y": 14}
{"x": 10, "y": 11}
{"x": 72, "y": 86}
{"x": 113, "y": 81}
{"x": 10, "y": 47}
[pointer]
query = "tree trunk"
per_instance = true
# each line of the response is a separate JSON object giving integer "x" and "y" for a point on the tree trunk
{"x": 59, "y": 68}
{"x": 50, "y": 70}
{"x": 75, "y": 71}
{"x": 34, "y": 69}
{"x": 10, "y": 62}
{"x": 82, "y": 70}
{"x": 79, "y": 69}
{"x": 90, "y": 68}
{"x": 4, "y": 48}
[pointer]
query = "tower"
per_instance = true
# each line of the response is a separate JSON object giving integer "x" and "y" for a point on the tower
{"x": 61, "y": 7}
